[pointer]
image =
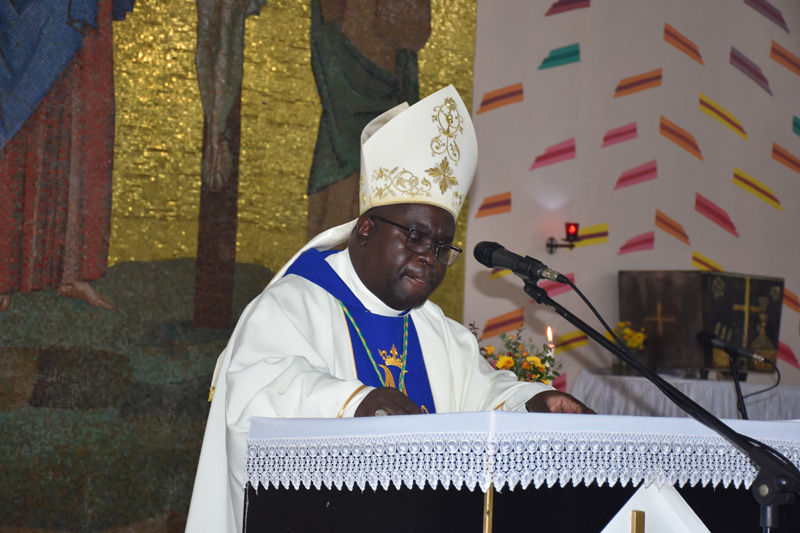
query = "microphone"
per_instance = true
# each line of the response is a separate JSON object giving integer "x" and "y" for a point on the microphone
{"x": 709, "y": 339}
{"x": 493, "y": 255}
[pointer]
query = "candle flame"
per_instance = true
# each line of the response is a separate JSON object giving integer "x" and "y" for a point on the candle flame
{"x": 549, "y": 334}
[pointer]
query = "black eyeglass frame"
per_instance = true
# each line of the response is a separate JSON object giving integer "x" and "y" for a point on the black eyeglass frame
{"x": 425, "y": 241}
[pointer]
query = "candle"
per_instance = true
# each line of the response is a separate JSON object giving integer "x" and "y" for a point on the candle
{"x": 550, "y": 345}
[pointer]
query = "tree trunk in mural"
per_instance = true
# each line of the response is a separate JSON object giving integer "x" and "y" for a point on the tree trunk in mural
{"x": 216, "y": 235}
{"x": 219, "y": 59}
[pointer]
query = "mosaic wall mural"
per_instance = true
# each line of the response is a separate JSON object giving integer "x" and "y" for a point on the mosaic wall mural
{"x": 152, "y": 179}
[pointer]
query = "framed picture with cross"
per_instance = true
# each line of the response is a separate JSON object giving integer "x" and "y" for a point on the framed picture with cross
{"x": 674, "y": 305}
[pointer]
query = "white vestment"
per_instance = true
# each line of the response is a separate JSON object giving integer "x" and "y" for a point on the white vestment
{"x": 291, "y": 355}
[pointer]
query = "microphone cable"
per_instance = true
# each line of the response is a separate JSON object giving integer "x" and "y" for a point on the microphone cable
{"x": 777, "y": 382}
{"x": 600, "y": 318}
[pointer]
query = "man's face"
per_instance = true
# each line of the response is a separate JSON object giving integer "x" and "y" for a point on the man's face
{"x": 396, "y": 275}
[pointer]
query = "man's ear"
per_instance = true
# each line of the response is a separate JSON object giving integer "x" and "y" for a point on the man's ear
{"x": 364, "y": 226}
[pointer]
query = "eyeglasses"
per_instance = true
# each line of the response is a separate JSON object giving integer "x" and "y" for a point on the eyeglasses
{"x": 420, "y": 243}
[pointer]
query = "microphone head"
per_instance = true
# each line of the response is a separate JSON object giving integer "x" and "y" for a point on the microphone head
{"x": 705, "y": 337}
{"x": 483, "y": 252}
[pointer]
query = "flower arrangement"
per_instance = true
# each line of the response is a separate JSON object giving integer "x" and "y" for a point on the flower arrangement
{"x": 523, "y": 358}
{"x": 634, "y": 340}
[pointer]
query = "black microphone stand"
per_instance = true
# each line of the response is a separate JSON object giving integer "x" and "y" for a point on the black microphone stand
{"x": 734, "y": 360}
{"x": 778, "y": 480}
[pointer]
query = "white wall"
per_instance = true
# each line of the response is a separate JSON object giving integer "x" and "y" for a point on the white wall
{"x": 620, "y": 39}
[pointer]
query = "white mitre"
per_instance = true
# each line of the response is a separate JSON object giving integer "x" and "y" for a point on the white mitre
{"x": 423, "y": 154}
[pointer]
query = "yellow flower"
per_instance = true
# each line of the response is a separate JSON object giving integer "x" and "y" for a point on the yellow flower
{"x": 504, "y": 362}
{"x": 546, "y": 381}
{"x": 636, "y": 340}
{"x": 535, "y": 360}
{"x": 490, "y": 349}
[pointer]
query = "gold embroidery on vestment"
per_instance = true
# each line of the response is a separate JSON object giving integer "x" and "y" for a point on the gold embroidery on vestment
{"x": 388, "y": 378}
{"x": 390, "y": 358}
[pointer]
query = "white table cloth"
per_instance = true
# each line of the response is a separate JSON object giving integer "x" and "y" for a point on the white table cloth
{"x": 611, "y": 394}
{"x": 508, "y": 450}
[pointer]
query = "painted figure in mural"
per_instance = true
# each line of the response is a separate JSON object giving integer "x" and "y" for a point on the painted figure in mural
{"x": 364, "y": 59}
{"x": 57, "y": 139}
{"x": 352, "y": 332}
{"x": 220, "y": 63}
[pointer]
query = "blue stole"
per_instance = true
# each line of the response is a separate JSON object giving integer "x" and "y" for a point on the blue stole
{"x": 383, "y": 335}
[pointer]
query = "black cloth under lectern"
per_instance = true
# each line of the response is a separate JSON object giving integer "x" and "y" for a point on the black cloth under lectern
{"x": 568, "y": 509}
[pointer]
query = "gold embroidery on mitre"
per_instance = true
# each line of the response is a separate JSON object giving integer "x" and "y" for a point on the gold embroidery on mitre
{"x": 448, "y": 121}
{"x": 400, "y": 182}
{"x": 443, "y": 175}
{"x": 458, "y": 201}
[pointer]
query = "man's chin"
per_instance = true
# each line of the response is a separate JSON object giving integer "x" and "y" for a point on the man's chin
{"x": 417, "y": 293}
{"x": 407, "y": 303}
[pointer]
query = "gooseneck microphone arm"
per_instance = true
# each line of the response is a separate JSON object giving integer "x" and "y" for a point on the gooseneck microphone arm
{"x": 778, "y": 480}
{"x": 734, "y": 353}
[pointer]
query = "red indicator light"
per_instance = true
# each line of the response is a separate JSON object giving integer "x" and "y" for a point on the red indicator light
{"x": 572, "y": 231}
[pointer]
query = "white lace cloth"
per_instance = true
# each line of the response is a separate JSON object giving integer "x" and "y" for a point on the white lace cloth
{"x": 507, "y": 449}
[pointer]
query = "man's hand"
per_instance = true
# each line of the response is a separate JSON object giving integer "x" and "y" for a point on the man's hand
{"x": 389, "y": 399}
{"x": 553, "y": 401}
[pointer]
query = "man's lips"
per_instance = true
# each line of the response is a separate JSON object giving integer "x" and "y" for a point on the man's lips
{"x": 419, "y": 279}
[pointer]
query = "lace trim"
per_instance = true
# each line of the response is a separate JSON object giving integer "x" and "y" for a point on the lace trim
{"x": 509, "y": 460}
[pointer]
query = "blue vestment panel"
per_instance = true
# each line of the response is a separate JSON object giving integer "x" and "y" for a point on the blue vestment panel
{"x": 378, "y": 342}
